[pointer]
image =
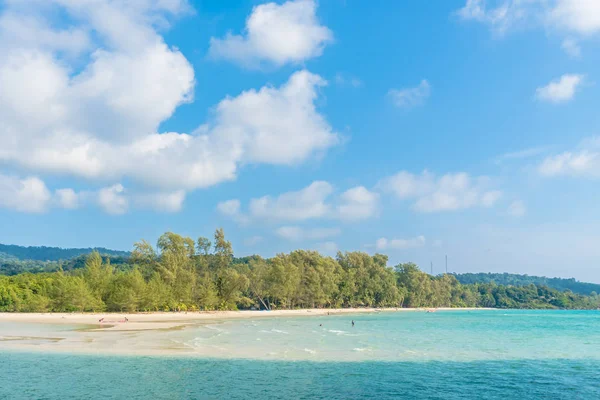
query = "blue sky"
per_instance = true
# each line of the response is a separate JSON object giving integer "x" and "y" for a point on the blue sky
{"x": 466, "y": 128}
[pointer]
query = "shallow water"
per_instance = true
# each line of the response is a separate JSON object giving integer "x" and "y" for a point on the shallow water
{"x": 443, "y": 355}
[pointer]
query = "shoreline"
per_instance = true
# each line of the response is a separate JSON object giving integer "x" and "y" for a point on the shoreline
{"x": 171, "y": 320}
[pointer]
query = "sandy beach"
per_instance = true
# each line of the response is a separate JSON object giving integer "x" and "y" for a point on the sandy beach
{"x": 245, "y": 334}
{"x": 170, "y": 320}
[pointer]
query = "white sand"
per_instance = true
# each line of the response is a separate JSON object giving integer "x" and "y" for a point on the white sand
{"x": 168, "y": 320}
{"x": 155, "y": 334}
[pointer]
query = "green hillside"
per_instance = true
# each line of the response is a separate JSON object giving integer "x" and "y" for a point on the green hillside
{"x": 507, "y": 279}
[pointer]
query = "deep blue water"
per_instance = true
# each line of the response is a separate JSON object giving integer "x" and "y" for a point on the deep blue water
{"x": 65, "y": 376}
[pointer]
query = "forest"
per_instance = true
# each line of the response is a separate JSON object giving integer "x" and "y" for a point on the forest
{"x": 524, "y": 280}
{"x": 182, "y": 274}
{"x": 44, "y": 253}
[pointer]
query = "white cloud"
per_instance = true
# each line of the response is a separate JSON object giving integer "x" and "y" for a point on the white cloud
{"x": 579, "y": 18}
{"x": 233, "y": 210}
{"x": 571, "y": 47}
{"x": 583, "y": 161}
{"x": 301, "y": 205}
{"x": 32, "y": 195}
{"x": 276, "y": 126}
{"x": 520, "y": 154}
{"x": 569, "y": 163}
{"x": 161, "y": 201}
{"x": 25, "y": 195}
{"x": 560, "y": 90}
{"x": 357, "y": 203}
{"x": 501, "y": 18}
{"x": 406, "y": 185}
{"x": 277, "y": 34}
{"x": 410, "y": 97}
{"x": 517, "y": 209}
{"x": 312, "y": 202}
{"x": 112, "y": 199}
{"x": 67, "y": 198}
{"x": 447, "y": 193}
{"x": 296, "y": 233}
{"x": 400, "y": 244}
{"x": 87, "y": 100}
{"x": 230, "y": 208}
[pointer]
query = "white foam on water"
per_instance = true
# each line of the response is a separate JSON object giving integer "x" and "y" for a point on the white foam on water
{"x": 311, "y": 351}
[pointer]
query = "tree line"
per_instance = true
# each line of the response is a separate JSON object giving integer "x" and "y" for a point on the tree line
{"x": 44, "y": 253}
{"x": 186, "y": 275}
{"x": 524, "y": 280}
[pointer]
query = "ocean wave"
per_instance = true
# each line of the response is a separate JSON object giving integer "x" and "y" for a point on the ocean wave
{"x": 311, "y": 351}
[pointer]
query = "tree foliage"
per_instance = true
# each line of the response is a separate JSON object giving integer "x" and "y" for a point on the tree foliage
{"x": 185, "y": 274}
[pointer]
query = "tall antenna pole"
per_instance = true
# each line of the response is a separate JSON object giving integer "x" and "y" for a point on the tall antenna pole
{"x": 446, "y": 263}
{"x": 431, "y": 267}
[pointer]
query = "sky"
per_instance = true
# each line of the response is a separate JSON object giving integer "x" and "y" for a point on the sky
{"x": 466, "y": 128}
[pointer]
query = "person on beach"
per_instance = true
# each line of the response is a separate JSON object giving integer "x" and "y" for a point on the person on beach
{"x": 353, "y": 323}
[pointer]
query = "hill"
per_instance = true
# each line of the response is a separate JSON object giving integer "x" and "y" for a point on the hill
{"x": 19, "y": 259}
{"x": 507, "y": 279}
{"x": 43, "y": 253}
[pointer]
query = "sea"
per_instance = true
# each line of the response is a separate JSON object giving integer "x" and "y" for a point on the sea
{"x": 479, "y": 354}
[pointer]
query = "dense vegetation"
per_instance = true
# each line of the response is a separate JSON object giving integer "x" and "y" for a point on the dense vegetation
{"x": 181, "y": 274}
{"x": 43, "y": 253}
{"x": 524, "y": 280}
{"x": 13, "y": 266}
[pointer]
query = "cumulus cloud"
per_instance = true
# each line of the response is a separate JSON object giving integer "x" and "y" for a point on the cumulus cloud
{"x": 357, "y": 203}
{"x": 279, "y": 34}
{"x": 161, "y": 201}
{"x": 400, "y": 244}
{"x": 112, "y": 199}
{"x": 410, "y": 97}
{"x": 26, "y": 195}
{"x": 579, "y": 16}
{"x": 583, "y": 161}
{"x": 449, "y": 192}
{"x": 87, "y": 101}
{"x": 312, "y": 202}
{"x": 67, "y": 198}
{"x": 576, "y": 18}
{"x": 560, "y": 90}
{"x": 230, "y": 208}
{"x": 300, "y": 205}
{"x": 296, "y": 233}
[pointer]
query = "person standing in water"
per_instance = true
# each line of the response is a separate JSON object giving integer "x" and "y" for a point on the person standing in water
{"x": 353, "y": 323}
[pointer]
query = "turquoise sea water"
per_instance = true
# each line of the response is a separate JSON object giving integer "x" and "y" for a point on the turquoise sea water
{"x": 444, "y": 355}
